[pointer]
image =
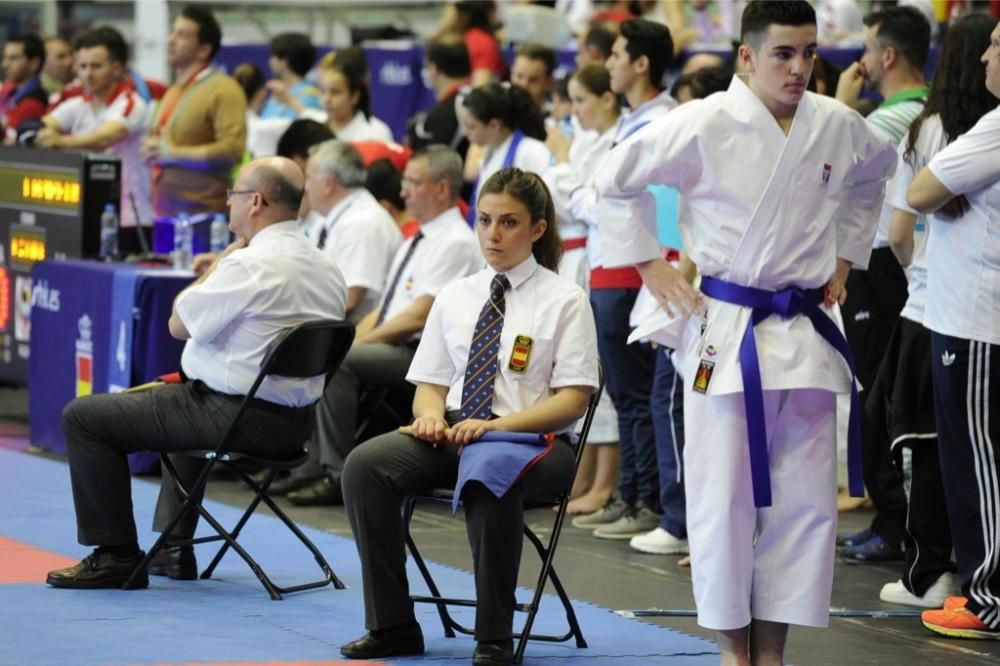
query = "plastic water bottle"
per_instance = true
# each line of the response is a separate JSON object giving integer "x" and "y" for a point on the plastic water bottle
{"x": 183, "y": 239}
{"x": 109, "y": 232}
{"x": 218, "y": 233}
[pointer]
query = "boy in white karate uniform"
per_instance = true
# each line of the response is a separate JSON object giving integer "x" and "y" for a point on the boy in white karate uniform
{"x": 784, "y": 189}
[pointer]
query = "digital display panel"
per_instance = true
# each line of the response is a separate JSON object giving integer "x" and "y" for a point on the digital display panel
{"x": 27, "y": 245}
{"x": 40, "y": 188}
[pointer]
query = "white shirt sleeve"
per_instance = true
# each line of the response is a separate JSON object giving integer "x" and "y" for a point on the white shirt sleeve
{"x": 895, "y": 190}
{"x": 431, "y": 362}
{"x": 206, "y": 309}
{"x": 666, "y": 152}
{"x": 576, "y": 346}
{"x": 65, "y": 113}
{"x": 970, "y": 162}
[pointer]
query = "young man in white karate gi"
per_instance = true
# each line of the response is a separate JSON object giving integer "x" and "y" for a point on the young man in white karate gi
{"x": 784, "y": 189}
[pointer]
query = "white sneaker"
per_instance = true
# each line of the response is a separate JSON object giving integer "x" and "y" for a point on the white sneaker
{"x": 637, "y": 520}
{"x": 896, "y": 593}
{"x": 612, "y": 511}
{"x": 659, "y": 542}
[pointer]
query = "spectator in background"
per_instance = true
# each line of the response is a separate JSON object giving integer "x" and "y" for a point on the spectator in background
{"x": 300, "y": 137}
{"x": 199, "y": 130}
{"x": 292, "y": 56}
{"x": 448, "y": 69}
{"x": 347, "y": 102}
{"x": 357, "y": 234}
{"x": 385, "y": 182}
{"x": 474, "y": 20}
{"x": 109, "y": 117}
{"x": 22, "y": 96}
{"x": 58, "y": 69}
{"x": 594, "y": 45}
{"x": 534, "y": 70}
{"x": 701, "y": 83}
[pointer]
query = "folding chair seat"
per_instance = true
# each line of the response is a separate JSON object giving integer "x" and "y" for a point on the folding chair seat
{"x": 546, "y": 553}
{"x": 310, "y": 349}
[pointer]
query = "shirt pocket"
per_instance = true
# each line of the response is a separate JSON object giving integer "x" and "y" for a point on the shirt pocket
{"x": 527, "y": 361}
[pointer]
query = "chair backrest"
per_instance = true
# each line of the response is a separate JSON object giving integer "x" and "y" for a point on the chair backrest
{"x": 310, "y": 349}
{"x": 588, "y": 417}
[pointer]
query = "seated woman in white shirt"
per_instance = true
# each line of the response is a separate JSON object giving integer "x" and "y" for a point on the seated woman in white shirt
{"x": 347, "y": 102}
{"x": 521, "y": 247}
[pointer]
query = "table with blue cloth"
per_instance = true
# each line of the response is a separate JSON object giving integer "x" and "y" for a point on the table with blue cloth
{"x": 100, "y": 327}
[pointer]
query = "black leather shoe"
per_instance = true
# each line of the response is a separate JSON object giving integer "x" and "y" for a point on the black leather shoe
{"x": 290, "y": 484}
{"x": 494, "y": 653}
{"x": 406, "y": 639}
{"x": 325, "y": 492}
{"x": 100, "y": 570}
{"x": 174, "y": 562}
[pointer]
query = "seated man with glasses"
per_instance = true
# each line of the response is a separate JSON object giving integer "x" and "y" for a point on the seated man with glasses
{"x": 444, "y": 250}
{"x": 268, "y": 280}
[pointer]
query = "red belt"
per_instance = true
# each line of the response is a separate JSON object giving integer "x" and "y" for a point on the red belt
{"x": 574, "y": 243}
{"x": 615, "y": 278}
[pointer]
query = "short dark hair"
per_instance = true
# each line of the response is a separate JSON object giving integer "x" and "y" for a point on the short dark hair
{"x": 296, "y": 49}
{"x": 543, "y": 54}
{"x": 758, "y": 16}
{"x": 209, "y": 31}
{"x": 301, "y": 135}
{"x": 32, "y": 44}
{"x": 600, "y": 38}
{"x": 385, "y": 182}
{"x": 450, "y": 56}
{"x": 704, "y": 82}
{"x": 650, "y": 39}
{"x": 906, "y": 30}
{"x": 107, "y": 37}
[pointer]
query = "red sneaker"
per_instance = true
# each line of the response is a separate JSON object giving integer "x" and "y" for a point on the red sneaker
{"x": 958, "y": 623}
{"x": 954, "y": 603}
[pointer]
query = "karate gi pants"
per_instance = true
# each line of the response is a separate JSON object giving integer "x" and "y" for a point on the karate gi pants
{"x": 774, "y": 563}
{"x": 381, "y": 472}
{"x": 969, "y": 445}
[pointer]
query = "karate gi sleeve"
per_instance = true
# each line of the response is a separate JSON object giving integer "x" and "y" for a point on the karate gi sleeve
{"x": 664, "y": 152}
{"x": 970, "y": 162}
{"x": 864, "y": 189}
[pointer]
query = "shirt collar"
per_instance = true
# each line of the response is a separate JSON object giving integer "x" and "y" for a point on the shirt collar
{"x": 440, "y": 223}
{"x": 275, "y": 229}
{"x": 913, "y": 94}
{"x": 520, "y": 273}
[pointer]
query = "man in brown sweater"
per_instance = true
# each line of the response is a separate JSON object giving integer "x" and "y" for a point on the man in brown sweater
{"x": 198, "y": 133}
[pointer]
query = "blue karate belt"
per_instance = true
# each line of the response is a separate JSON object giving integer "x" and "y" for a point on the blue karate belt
{"x": 786, "y": 303}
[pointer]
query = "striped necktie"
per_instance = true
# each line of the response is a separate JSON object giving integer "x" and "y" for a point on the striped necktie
{"x": 481, "y": 370}
{"x": 395, "y": 278}
{"x": 322, "y": 237}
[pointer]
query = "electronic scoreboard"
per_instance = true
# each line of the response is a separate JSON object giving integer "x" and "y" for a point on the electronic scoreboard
{"x": 50, "y": 208}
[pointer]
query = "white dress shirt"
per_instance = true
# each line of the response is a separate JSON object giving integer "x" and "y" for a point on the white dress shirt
{"x": 361, "y": 239}
{"x": 447, "y": 252}
{"x": 963, "y": 283}
{"x": 551, "y": 311}
{"x": 278, "y": 281}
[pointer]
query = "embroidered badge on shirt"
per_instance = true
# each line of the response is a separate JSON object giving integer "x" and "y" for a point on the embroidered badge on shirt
{"x": 521, "y": 354}
{"x": 826, "y": 173}
{"x": 703, "y": 376}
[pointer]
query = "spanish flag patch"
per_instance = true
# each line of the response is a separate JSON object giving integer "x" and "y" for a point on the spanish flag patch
{"x": 521, "y": 354}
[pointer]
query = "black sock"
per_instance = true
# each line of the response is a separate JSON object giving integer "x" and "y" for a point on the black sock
{"x": 129, "y": 550}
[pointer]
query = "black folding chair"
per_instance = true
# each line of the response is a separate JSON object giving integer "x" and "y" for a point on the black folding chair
{"x": 546, "y": 553}
{"x": 310, "y": 349}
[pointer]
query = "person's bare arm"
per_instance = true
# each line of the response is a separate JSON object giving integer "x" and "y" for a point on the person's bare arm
{"x": 402, "y": 325}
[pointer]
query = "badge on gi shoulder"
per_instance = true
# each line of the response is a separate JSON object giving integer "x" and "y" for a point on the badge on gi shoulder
{"x": 703, "y": 376}
{"x": 521, "y": 354}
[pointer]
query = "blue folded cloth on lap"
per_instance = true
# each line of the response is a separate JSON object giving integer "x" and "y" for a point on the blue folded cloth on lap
{"x": 499, "y": 459}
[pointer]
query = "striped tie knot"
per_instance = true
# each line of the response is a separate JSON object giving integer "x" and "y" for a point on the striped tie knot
{"x": 481, "y": 369}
